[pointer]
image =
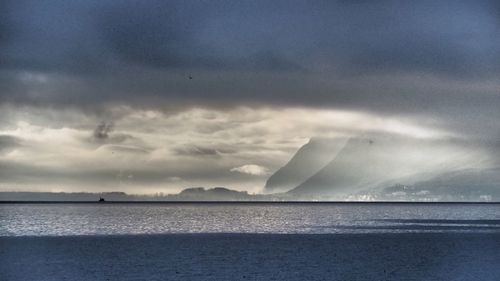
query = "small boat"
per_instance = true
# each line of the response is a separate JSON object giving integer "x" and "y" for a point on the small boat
{"x": 101, "y": 200}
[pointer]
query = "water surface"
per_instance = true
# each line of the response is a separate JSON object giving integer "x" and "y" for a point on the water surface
{"x": 279, "y": 218}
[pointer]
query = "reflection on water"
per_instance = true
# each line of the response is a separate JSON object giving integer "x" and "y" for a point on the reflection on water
{"x": 104, "y": 219}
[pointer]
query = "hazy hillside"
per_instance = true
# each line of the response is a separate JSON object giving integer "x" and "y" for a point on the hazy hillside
{"x": 310, "y": 158}
{"x": 461, "y": 185}
{"x": 369, "y": 162}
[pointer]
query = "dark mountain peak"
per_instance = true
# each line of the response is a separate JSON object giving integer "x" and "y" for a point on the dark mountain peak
{"x": 308, "y": 159}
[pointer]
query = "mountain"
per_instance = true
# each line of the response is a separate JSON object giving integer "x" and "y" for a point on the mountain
{"x": 310, "y": 158}
{"x": 188, "y": 194}
{"x": 366, "y": 163}
{"x": 461, "y": 185}
{"x": 211, "y": 194}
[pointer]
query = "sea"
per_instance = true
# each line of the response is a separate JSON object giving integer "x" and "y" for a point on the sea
{"x": 249, "y": 241}
{"x": 73, "y": 219}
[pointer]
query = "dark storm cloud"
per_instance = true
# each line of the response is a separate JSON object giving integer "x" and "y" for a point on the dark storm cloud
{"x": 104, "y": 134}
{"x": 92, "y": 36}
{"x": 5, "y": 32}
{"x": 390, "y": 57}
{"x": 356, "y": 36}
{"x": 170, "y": 35}
{"x": 102, "y": 131}
{"x": 156, "y": 35}
{"x": 49, "y": 36}
{"x": 448, "y": 36}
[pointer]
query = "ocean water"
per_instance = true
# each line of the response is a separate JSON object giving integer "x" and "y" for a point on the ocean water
{"x": 270, "y": 218}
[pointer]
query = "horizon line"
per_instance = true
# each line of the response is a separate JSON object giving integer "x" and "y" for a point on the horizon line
{"x": 241, "y": 201}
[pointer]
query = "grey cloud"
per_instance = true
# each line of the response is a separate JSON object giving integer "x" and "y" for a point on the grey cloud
{"x": 128, "y": 149}
{"x": 385, "y": 56}
{"x": 104, "y": 134}
{"x": 102, "y": 131}
{"x": 99, "y": 36}
{"x": 99, "y": 177}
{"x": 451, "y": 37}
{"x": 191, "y": 36}
{"x": 359, "y": 37}
{"x": 8, "y": 142}
{"x": 159, "y": 145}
{"x": 5, "y": 31}
{"x": 156, "y": 35}
{"x": 53, "y": 36}
{"x": 196, "y": 151}
{"x": 73, "y": 63}
{"x": 90, "y": 178}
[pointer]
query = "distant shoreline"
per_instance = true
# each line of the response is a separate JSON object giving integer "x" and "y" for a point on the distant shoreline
{"x": 246, "y": 202}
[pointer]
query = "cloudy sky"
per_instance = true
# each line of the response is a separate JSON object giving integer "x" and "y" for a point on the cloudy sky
{"x": 150, "y": 96}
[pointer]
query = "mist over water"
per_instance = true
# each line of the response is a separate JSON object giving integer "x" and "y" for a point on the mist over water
{"x": 280, "y": 218}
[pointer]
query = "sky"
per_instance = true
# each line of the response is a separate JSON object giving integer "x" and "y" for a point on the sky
{"x": 156, "y": 96}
